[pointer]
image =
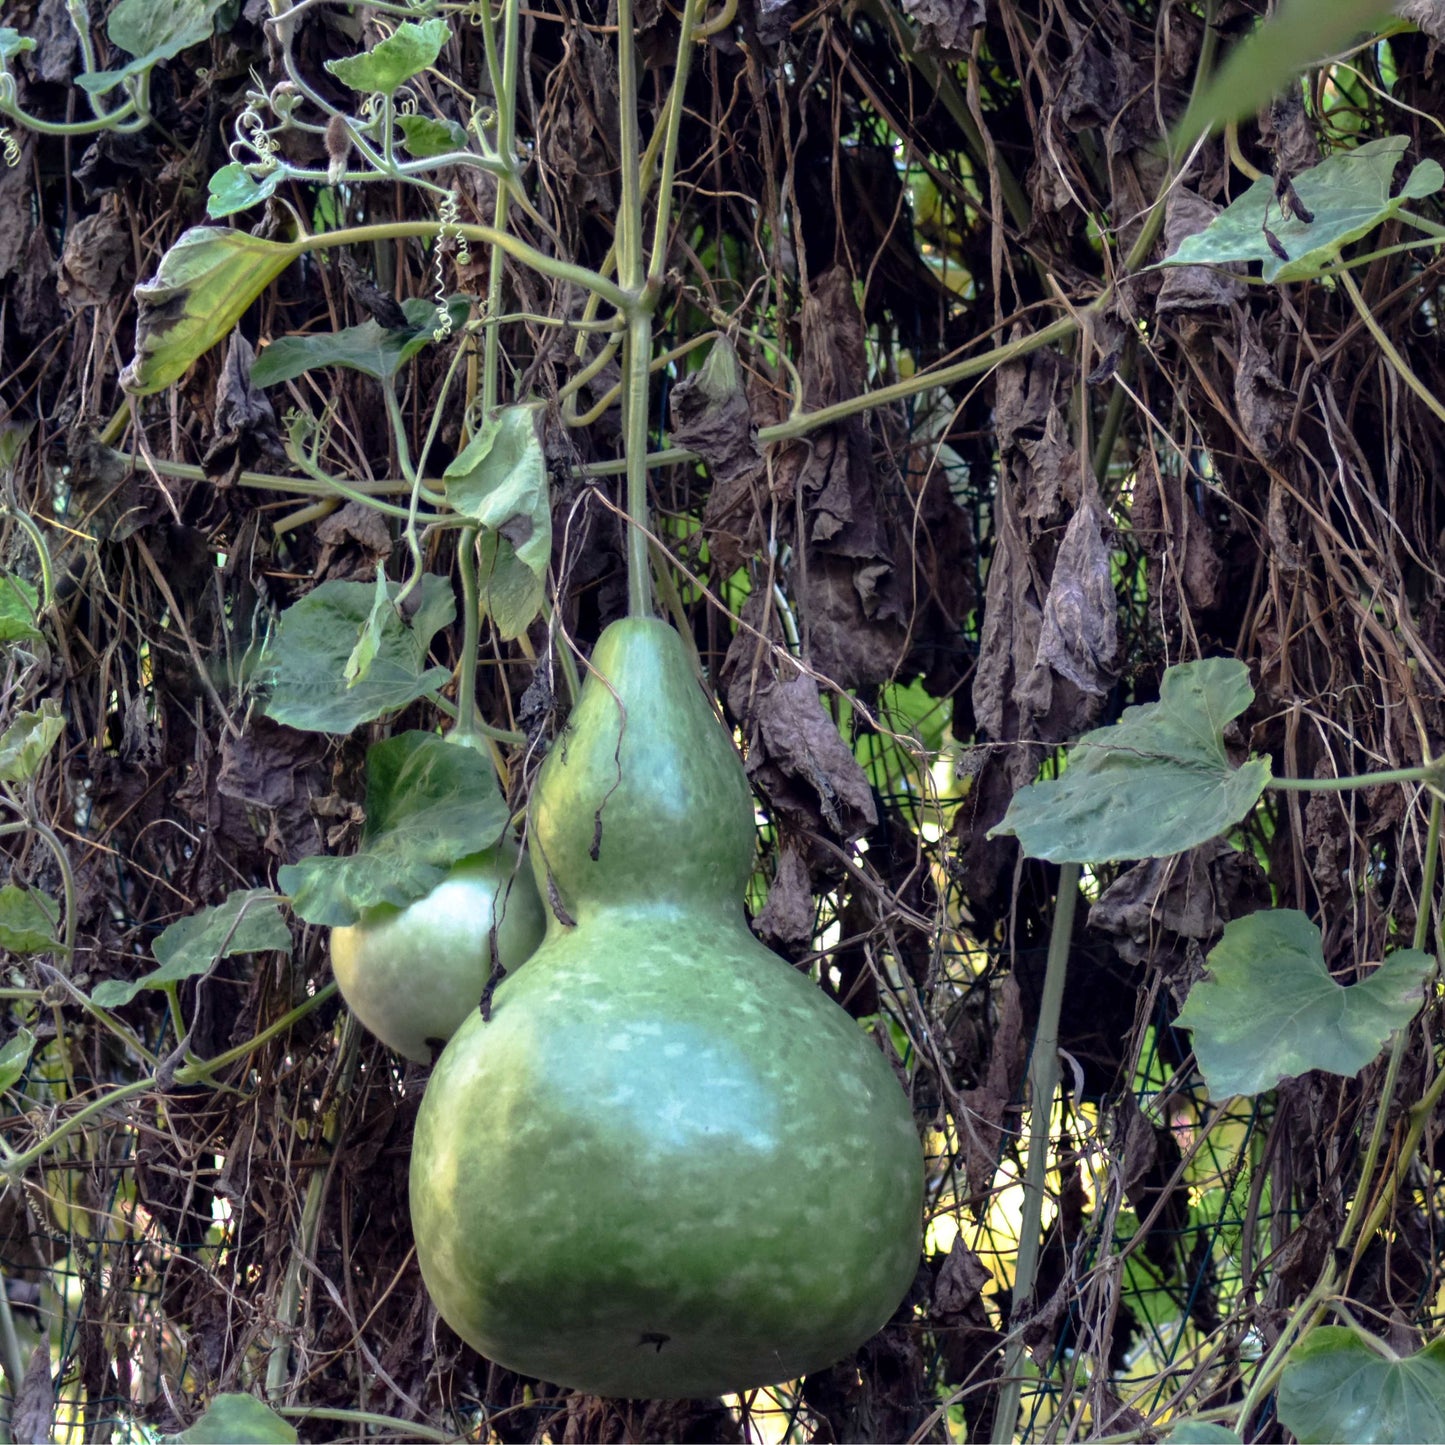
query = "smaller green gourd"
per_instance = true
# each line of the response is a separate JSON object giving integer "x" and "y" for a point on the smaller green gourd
{"x": 668, "y": 1165}
{"x": 412, "y": 974}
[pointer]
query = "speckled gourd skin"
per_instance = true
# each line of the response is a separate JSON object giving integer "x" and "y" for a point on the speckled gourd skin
{"x": 669, "y": 1165}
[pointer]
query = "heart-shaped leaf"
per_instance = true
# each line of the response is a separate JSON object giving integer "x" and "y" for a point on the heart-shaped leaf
{"x": 306, "y": 661}
{"x": 390, "y": 64}
{"x": 368, "y": 348}
{"x": 152, "y": 32}
{"x": 429, "y": 802}
{"x": 1156, "y": 782}
{"x": 1335, "y": 1387}
{"x": 233, "y": 188}
{"x": 1268, "y": 1008}
{"x": 1347, "y": 197}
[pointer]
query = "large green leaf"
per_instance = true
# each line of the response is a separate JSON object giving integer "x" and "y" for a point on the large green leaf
{"x": 1347, "y": 195}
{"x": 25, "y": 744}
{"x": 27, "y": 920}
{"x": 1335, "y": 1387}
{"x": 202, "y": 289}
{"x": 1200, "y": 1432}
{"x": 429, "y": 802}
{"x": 238, "y": 1420}
{"x": 305, "y": 663}
{"x": 19, "y": 610}
{"x": 1299, "y": 33}
{"x": 1268, "y": 1008}
{"x": 247, "y": 922}
{"x": 152, "y": 31}
{"x": 500, "y": 482}
{"x": 368, "y": 348}
{"x": 387, "y": 66}
{"x": 1156, "y": 782}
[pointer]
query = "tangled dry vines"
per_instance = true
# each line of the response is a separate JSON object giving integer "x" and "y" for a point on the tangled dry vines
{"x": 866, "y": 190}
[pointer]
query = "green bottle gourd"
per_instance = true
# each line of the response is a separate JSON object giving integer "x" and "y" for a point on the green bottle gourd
{"x": 668, "y": 1165}
{"x": 412, "y": 974}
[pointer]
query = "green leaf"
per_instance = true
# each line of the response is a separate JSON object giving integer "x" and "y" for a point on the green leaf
{"x": 369, "y": 643}
{"x": 511, "y": 593}
{"x": 429, "y": 802}
{"x": 424, "y": 137}
{"x": 13, "y": 43}
{"x": 233, "y": 188}
{"x": 1348, "y": 196}
{"x": 247, "y": 922}
{"x": 368, "y": 348}
{"x": 14, "y": 1055}
{"x": 202, "y": 289}
{"x": 500, "y": 482}
{"x": 389, "y": 65}
{"x": 152, "y": 32}
{"x": 1268, "y": 1008}
{"x": 1200, "y": 1432}
{"x": 1299, "y": 33}
{"x": 238, "y": 1420}
{"x": 27, "y": 920}
{"x": 315, "y": 638}
{"x": 19, "y": 609}
{"x": 26, "y": 742}
{"x": 1335, "y": 1387}
{"x": 1157, "y": 782}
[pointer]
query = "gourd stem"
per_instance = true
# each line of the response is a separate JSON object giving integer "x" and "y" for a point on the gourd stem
{"x": 634, "y": 432}
{"x": 1043, "y": 1081}
{"x": 637, "y": 342}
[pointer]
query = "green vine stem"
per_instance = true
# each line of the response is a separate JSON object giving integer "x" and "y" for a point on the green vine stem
{"x": 1382, "y": 340}
{"x": 14, "y": 1165}
{"x": 409, "y": 1429}
{"x": 641, "y": 296}
{"x": 673, "y": 123}
{"x": 1431, "y": 774}
{"x": 516, "y": 248}
{"x": 1043, "y": 1083}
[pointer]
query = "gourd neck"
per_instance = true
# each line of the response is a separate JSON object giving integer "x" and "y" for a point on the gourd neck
{"x": 643, "y": 798}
